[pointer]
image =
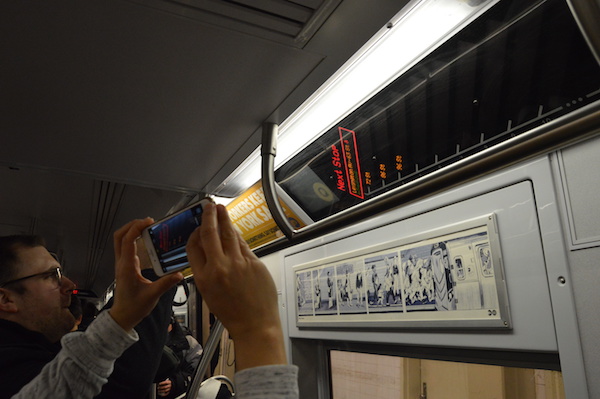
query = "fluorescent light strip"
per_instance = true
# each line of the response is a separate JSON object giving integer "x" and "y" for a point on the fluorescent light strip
{"x": 417, "y": 30}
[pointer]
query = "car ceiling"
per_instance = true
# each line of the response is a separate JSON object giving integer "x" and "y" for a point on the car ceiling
{"x": 118, "y": 109}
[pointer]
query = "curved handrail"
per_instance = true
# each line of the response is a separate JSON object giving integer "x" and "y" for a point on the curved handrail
{"x": 207, "y": 354}
{"x": 576, "y": 126}
{"x": 268, "y": 152}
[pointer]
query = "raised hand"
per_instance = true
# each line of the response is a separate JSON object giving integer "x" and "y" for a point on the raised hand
{"x": 135, "y": 296}
{"x": 237, "y": 288}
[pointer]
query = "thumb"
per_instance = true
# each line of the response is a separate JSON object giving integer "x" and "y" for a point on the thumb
{"x": 167, "y": 282}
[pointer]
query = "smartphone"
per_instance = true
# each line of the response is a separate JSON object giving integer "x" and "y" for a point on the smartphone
{"x": 166, "y": 239}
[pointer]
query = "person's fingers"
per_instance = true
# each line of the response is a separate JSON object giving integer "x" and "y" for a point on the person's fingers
{"x": 165, "y": 283}
{"x": 118, "y": 237}
{"x": 125, "y": 237}
{"x": 229, "y": 235}
{"x": 134, "y": 231}
{"x": 196, "y": 255}
{"x": 209, "y": 233}
{"x": 194, "y": 247}
{"x": 245, "y": 248}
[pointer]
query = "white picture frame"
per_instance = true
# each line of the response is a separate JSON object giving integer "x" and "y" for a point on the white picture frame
{"x": 451, "y": 277}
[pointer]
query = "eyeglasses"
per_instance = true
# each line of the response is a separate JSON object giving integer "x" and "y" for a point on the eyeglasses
{"x": 55, "y": 274}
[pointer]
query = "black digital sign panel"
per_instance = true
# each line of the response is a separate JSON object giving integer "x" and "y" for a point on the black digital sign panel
{"x": 518, "y": 66}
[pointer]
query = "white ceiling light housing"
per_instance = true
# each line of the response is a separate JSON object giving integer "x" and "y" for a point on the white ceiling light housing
{"x": 421, "y": 27}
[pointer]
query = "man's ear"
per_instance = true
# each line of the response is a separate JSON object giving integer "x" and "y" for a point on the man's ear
{"x": 7, "y": 301}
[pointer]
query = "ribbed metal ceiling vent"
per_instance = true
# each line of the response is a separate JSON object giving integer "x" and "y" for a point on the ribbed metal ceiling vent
{"x": 291, "y": 22}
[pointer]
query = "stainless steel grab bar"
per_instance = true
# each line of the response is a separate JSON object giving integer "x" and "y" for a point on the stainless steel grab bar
{"x": 576, "y": 126}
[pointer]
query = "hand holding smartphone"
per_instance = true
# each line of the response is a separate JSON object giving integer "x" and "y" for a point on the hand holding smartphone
{"x": 166, "y": 239}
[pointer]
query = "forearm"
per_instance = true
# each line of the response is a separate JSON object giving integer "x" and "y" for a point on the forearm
{"x": 84, "y": 363}
{"x": 260, "y": 348}
{"x": 134, "y": 371}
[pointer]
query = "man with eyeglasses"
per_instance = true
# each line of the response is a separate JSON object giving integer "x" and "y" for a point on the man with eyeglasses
{"x": 35, "y": 316}
{"x": 39, "y": 288}
{"x": 221, "y": 262}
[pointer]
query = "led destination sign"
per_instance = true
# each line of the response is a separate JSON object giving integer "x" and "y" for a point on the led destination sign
{"x": 349, "y": 152}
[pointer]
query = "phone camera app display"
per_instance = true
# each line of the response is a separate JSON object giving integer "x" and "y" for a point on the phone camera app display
{"x": 170, "y": 237}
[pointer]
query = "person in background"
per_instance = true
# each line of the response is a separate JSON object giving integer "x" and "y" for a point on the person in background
{"x": 187, "y": 351}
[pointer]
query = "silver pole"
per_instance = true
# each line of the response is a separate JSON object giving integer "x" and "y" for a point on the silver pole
{"x": 211, "y": 346}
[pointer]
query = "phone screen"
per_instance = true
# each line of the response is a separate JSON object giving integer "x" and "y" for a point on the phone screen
{"x": 171, "y": 236}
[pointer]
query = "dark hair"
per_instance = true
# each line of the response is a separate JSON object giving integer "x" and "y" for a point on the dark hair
{"x": 8, "y": 253}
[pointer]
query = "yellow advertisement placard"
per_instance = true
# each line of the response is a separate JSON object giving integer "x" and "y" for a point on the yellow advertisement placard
{"x": 250, "y": 214}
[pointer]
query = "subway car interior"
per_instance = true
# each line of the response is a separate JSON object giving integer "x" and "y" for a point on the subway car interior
{"x": 418, "y": 175}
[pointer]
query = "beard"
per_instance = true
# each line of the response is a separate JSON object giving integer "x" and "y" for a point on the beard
{"x": 56, "y": 326}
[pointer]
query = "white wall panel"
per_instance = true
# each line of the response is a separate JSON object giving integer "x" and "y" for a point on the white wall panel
{"x": 529, "y": 298}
